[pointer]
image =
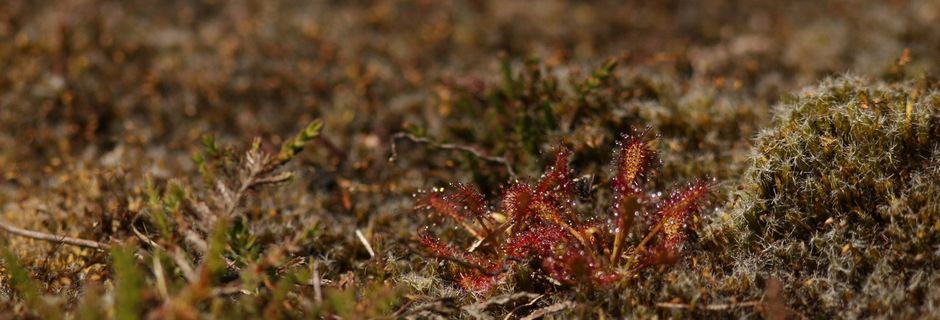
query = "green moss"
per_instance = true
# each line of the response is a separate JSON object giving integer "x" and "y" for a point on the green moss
{"x": 842, "y": 200}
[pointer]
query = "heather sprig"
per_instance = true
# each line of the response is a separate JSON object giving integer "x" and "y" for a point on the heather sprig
{"x": 297, "y": 143}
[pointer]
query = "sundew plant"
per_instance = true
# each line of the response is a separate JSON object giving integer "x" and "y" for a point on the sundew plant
{"x": 539, "y": 224}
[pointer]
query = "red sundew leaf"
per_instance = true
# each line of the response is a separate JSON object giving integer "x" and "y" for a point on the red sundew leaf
{"x": 632, "y": 162}
{"x": 604, "y": 278}
{"x": 578, "y": 266}
{"x": 516, "y": 201}
{"x": 435, "y": 246}
{"x": 674, "y": 214}
{"x": 567, "y": 266}
{"x": 536, "y": 241}
{"x": 658, "y": 255}
{"x": 476, "y": 282}
{"x": 472, "y": 200}
{"x": 548, "y": 209}
{"x": 558, "y": 178}
{"x": 555, "y": 191}
{"x": 556, "y": 269}
{"x": 456, "y": 255}
{"x": 441, "y": 204}
{"x": 575, "y": 266}
{"x": 676, "y": 211}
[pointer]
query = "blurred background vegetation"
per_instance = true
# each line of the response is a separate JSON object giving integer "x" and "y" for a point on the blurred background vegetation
{"x": 121, "y": 117}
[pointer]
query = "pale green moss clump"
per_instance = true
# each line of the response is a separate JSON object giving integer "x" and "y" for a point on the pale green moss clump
{"x": 842, "y": 201}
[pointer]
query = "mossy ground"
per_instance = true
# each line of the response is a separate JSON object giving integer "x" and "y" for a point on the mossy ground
{"x": 825, "y": 182}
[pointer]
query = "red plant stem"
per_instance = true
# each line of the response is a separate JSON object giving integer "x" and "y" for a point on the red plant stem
{"x": 577, "y": 235}
{"x": 659, "y": 226}
{"x": 471, "y": 230}
{"x": 618, "y": 239}
{"x": 640, "y": 248}
{"x": 622, "y": 221}
{"x": 499, "y": 230}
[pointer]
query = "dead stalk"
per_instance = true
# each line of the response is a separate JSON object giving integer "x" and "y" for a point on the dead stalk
{"x": 449, "y": 146}
{"x": 53, "y": 238}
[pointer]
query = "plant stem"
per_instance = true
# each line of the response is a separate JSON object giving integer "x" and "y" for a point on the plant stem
{"x": 642, "y": 246}
{"x": 449, "y": 146}
{"x": 53, "y": 238}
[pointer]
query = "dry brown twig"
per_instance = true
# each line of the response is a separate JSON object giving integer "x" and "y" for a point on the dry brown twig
{"x": 478, "y": 310}
{"x": 558, "y": 307}
{"x": 531, "y": 303}
{"x": 53, "y": 238}
{"x": 448, "y": 146}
